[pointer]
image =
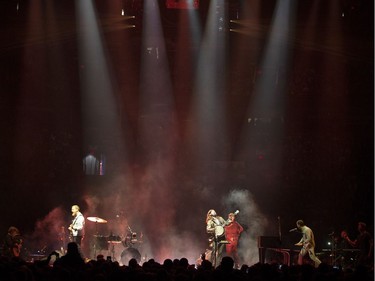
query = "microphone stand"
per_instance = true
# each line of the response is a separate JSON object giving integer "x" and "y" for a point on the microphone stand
{"x": 333, "y": 249}
{"x": 279, "y": 223}
{"x": 214, "y": 252}
{"x": 95, "y": 238}
{"x": 215, "y": 244}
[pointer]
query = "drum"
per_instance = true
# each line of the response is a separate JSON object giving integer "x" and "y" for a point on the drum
{"x": 219, "y": 230}
{"x": 131, "y": 241}
{"x": 128, "y": 254}
{"x": 114, "y": 239}
{"x": 100, "y": 242}
{"x": 127, "y": 241}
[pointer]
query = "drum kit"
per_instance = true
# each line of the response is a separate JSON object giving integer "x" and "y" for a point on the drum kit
{"x": 131, "y": 242}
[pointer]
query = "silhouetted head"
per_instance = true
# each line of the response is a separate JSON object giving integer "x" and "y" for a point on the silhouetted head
{"x": 184, "y": 262}
{"x": 168, "y": 264}
{"x": 206, "y": 264}
{"x": 227, "y": 263}
{"x": 133, "y": 263}
{"x": 100, "y": 257}
{"x": 72, "y": 248}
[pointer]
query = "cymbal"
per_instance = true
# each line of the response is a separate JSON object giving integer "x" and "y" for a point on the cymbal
{"x": 114, "y": 242}
{"x": 96, "y": 219}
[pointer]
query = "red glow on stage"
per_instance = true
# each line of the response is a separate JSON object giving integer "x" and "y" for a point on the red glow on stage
{"x": 182, "y": 4}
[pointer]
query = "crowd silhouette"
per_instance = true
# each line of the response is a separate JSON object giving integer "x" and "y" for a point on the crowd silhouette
{"x": 73, "y": 267}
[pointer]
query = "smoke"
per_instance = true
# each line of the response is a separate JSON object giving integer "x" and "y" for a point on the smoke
{"x": 48, "y": 234}
{"x": 179, "y": 244}
{"x": 164, "y": 228}
{"x": 167, "y": 224}
{"x": 146, "y": 202}
{"x": 252, "y": 220}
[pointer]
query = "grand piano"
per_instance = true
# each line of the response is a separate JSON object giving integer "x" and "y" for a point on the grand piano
{"x": 273, "y": 247}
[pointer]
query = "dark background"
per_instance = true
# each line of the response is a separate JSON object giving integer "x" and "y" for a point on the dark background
{"x": 326, "y": 176}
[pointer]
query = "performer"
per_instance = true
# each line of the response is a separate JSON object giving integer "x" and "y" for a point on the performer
{"x": 232, "y": 234}
{"x": 215, "y": 228}
{"x": 12, "y": 243}
{"x": 77, "y": 226}
{"x": 307, "y": 242}
{"x": 364, "y": 243}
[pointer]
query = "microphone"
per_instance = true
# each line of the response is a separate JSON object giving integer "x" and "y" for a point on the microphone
{"x": 293, "y": 229}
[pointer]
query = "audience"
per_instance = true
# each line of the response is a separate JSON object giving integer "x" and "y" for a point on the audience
{"x": 73, "y": 267}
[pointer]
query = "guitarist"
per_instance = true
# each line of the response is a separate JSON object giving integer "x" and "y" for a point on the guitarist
{"x": 12, "y": 243}
{"x": 76, "y": 228}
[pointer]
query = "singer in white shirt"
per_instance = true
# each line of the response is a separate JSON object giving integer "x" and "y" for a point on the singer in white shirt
{"x": 77, "y": 226}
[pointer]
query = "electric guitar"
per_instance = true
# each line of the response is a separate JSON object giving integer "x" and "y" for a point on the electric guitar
{"x": 16, "y": 248}
{"x": 70, "y": 228}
